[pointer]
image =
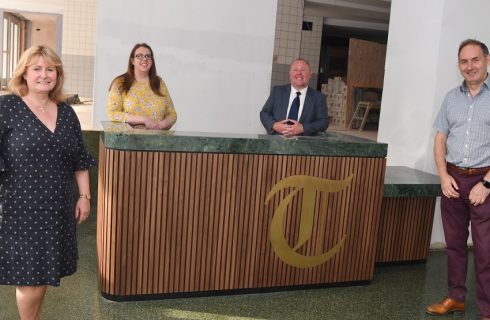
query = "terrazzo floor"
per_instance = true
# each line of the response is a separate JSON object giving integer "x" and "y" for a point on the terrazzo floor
{"x": 396, "y": 292}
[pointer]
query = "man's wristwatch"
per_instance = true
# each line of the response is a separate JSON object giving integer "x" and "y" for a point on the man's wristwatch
{"x": 485, "y": 183}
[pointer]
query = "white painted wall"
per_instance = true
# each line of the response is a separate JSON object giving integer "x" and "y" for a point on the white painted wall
{"x": 421, "y": 66}
{"x": 215, "y": 56}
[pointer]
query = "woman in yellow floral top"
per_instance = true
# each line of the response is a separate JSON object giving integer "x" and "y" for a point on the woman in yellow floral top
{"x": 140, "y": 96}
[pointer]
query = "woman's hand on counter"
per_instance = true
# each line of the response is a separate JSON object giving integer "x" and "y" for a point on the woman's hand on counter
{"x": 151, "y": 124}
{"x": 164, "y": 124}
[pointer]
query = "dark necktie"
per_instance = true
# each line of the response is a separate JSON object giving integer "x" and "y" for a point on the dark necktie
{"x": 294, "y": 110}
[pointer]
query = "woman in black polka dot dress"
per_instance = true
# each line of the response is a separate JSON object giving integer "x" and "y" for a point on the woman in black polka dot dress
{"x": 42, "y": 152}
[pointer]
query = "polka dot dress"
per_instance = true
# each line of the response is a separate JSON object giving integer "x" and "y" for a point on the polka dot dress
{"x": 38, "y": 231}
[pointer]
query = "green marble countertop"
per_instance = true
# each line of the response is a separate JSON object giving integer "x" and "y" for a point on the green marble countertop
{"x": 121, "y": 136}
{"x": 408, "y": 182}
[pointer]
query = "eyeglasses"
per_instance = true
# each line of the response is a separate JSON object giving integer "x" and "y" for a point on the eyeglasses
{"x": 141, "y": 56}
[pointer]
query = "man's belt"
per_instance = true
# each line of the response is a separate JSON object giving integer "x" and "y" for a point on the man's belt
{"x": 468, "y": 171}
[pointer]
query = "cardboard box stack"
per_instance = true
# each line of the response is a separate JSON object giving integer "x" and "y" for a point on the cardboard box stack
{"x": 336, "y": 91}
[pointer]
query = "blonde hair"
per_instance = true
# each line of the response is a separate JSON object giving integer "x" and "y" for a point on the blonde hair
{"x": 18, "y": 84}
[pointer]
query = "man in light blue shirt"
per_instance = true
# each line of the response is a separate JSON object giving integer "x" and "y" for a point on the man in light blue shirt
{"x": 462, "y": 156}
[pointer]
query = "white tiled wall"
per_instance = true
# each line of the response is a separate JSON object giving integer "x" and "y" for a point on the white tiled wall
{"x": 78, "y": 46}
{"x": 79, "y": 27}
{"x": 311, "y": 41}
{"x": 79, "y": 74}
{"x": 288, "y": 30}
{"x": 292, "y": 42}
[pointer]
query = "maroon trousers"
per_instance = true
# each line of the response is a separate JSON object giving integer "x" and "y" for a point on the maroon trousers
{"x": 456, "y": 217}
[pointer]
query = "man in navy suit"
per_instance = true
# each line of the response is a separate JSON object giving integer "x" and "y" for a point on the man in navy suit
{"x": 281, "y": 114}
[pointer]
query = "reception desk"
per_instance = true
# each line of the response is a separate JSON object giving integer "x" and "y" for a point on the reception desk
{"x": 183, "y": 213}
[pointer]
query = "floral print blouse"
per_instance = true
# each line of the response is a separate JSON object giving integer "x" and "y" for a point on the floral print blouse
{"x": 140, "y": 100}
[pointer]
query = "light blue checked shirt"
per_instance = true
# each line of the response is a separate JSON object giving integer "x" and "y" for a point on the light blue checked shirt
{"x": 466, "y": 123}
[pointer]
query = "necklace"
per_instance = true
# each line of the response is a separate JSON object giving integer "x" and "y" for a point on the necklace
{"x": 43, "y": 107}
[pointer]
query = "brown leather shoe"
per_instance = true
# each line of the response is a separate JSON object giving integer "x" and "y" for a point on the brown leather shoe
{"x": 446, "y": 306}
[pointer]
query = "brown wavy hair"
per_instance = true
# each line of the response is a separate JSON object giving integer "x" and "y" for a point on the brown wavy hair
{"x": 128, "y": 78}
{"x": 18, "y": 84}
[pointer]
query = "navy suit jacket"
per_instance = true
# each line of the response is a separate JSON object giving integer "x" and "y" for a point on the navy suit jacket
{"x": 314, "y": 116}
